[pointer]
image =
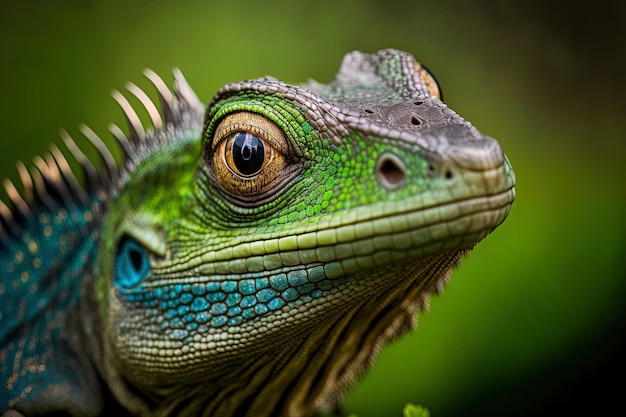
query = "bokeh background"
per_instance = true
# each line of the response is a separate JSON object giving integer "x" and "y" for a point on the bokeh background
{"x": 532, "y": 323}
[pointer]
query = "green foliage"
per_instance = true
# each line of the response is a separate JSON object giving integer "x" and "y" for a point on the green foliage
{"x": 409, "y": 410}
{"x": 412, "y": 410}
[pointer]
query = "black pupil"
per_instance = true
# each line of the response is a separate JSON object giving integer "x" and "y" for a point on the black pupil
{"x": 136, "y": 259}
{"x": 248, "y": 153}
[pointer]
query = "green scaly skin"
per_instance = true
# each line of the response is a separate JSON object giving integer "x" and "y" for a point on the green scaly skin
{"x": 220, "y": 274}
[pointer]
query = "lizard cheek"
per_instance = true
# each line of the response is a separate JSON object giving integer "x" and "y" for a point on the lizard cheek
{"x": 132, "y": 264}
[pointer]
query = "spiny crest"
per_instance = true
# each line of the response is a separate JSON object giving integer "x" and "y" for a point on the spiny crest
{"x": 51, "y": 182}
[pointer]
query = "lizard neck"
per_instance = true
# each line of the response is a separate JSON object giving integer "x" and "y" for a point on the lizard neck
{"x": 49, "y": 321}
{"x": 286, "y": 378}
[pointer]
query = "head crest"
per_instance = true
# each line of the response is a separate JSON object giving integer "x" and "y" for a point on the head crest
{"x": 51, "y": 183}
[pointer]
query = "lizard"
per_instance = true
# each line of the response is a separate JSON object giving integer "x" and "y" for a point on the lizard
{"x": 250, "y": 256}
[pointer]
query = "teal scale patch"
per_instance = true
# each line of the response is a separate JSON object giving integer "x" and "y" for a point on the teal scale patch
{"x": 187, "y": 308}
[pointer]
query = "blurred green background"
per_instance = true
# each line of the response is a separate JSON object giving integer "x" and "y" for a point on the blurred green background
{"x": 531, "y": 324}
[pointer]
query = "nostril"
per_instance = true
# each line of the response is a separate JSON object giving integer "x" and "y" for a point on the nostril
{"x": 431, "y": 170}
{"x": 439, "y": 169}
{"x": 390, "y": 171}
{"x": 415, "y": 121}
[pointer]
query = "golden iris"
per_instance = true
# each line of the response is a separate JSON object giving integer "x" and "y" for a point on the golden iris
{"x": 249, "y": 153}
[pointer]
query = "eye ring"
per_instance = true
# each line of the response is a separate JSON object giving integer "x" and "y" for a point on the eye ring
{"x": 249, "y": 154}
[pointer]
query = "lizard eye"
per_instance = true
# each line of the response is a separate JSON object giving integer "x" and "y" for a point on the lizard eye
{"x": 429, "y": 80}
{"x": 249, "y": 153}
{"x": 132, "y": 264}
{"x": 245, "y": 153}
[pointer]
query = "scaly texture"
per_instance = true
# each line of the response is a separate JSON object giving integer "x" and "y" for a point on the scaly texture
{"x": 250, "y": 257}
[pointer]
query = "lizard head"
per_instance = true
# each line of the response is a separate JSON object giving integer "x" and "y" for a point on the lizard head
{"x": 261, "y": 255}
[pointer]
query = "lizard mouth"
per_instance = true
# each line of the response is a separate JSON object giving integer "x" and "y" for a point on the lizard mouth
{"x": 457, "y": 212}
{"x": 449, "y": 218}
{"x": 454, "y": 226}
